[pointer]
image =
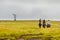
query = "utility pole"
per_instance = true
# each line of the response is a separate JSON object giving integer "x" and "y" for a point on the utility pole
{"x": 14, "y": 17}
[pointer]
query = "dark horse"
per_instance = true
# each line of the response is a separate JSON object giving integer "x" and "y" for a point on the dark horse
{"x": 44, "y": 23}
{"x": 40, "y": 23}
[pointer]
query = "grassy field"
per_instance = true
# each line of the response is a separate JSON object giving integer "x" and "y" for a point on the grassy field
{"x": 14, "y": 29}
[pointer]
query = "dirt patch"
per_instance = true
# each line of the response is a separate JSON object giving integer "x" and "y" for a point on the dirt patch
{"x": 32, "y": 38}
{"x": 36, "y": 38}
{"x": 21, "y": 39}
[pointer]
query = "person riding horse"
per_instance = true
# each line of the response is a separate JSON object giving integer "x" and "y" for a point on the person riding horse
{"x": 44, "y": 23}
{"x": 48, "y": 24}
{"x": 40, "y": 23}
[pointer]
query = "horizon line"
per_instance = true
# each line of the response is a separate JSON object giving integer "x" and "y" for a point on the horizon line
{"x": 33, "y": 19}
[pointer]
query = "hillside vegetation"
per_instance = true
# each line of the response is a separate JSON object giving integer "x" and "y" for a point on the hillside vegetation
{"x": 14, "y": 29}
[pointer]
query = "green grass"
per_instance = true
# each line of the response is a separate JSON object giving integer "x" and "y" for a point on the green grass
{"x": 14, "y": 29}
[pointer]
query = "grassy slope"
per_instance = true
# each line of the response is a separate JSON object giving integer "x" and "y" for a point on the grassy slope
{"x": 17, "y": 28}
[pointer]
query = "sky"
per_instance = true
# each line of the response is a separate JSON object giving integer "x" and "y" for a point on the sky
{"x": 30, "y": 9}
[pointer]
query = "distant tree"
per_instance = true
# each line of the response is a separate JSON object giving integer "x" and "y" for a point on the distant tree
{"x": 14, "y": 17}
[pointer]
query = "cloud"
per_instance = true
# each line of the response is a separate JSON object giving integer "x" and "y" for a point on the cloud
{"x": 30, "y": 9}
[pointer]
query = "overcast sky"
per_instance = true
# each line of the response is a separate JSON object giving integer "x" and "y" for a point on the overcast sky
{"x": 30, "y": 9}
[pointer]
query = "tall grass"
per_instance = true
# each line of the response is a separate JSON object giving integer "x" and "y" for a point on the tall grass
{"x": 14, "y": 29}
